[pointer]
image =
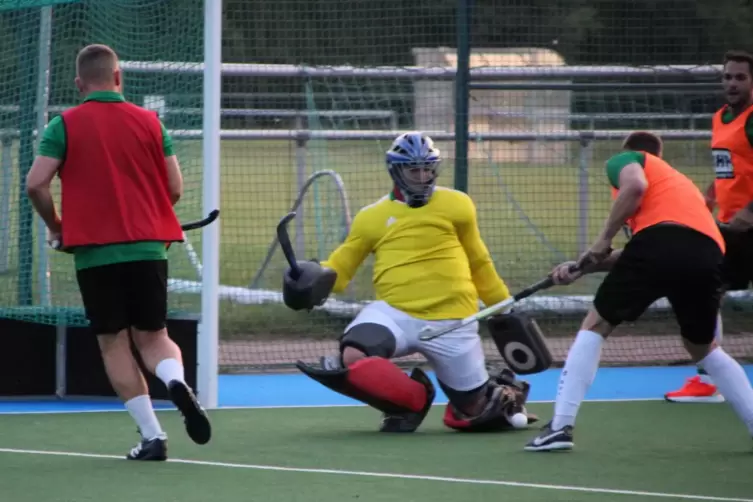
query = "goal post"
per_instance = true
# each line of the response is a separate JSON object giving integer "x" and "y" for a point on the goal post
{"x": 39, "y": 41}
{"x": 208, "y": 341}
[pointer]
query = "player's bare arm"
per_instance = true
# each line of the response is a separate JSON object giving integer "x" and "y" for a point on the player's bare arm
{"x": 710, "y": 196}
{"x": 743, "y": 219}
{"x": 38, "y": 183}
{"x": 174, "y": 178}
{"x": 564, "y": 273}
{"x": 633, "y": 185}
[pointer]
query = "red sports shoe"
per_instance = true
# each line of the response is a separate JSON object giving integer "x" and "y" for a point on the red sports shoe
{"x": 695, "y": 391}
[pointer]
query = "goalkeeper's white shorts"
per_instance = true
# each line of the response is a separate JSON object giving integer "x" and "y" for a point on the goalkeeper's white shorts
{"x": 457, "y": 357}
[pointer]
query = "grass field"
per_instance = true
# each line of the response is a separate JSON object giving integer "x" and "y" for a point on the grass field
{"x": 335, "y": 454}
{"x": 529, "y": 216}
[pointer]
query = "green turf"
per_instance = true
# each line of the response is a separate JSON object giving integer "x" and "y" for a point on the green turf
{"x": 633, "y": 446}
{"x": 528, "y": 214}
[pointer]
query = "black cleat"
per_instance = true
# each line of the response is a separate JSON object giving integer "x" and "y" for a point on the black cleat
{"x": 551, "y": 440}
{"x": 411, "y": 420}
{"x": 194, "y": 417}
{"x": 150, "y": 449}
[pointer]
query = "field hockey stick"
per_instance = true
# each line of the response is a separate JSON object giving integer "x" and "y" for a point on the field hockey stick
{"x": 287, "y": 248}
{"x": 57, "y": 245}
{"x": 194, "y": 225}
{"x": 548, "y": 282}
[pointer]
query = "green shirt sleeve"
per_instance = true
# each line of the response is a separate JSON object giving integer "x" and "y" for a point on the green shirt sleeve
{"x": 52, "y": 143}
{"x": 617, "y": 162}
{"x": 167, "y": 141}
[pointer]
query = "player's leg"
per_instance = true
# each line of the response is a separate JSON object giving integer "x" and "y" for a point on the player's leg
{"x": 147, "y": 310}
{"x": 626, "y": 292}
{"x": 364, "y": 371}
{"x": 737, "y": 271}
{"x": 478, "y": 401}
{"x": 695, "y": 301}
{"x": 104, "y": 302}
{"x": 699, "y": 388}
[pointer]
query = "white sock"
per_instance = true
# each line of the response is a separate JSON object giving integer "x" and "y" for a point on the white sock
{"x": 705, "y": 378}
{"x": 140, "y": 409}
{"x": 577, "y": 376}
{"x": 168, "y": 370}
{"x": 718, "y": 333}
{"x": 733, "y": 383}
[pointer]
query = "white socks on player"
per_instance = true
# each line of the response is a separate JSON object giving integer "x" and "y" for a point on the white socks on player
{"x": 140, "y": 409}
{"x": 732, "y": 382}
{"x": 718, "y": 332}
{"x": 705, "y": 378}
{"x": 168, "y": 370}
{"x": 577, "y": 376}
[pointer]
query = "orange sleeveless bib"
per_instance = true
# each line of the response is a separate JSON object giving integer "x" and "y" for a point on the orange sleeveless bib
{"x": 732, "y": 154}
{"x": 672, "y": 197}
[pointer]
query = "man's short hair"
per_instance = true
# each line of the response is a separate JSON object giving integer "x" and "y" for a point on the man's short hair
{"x": 740, "y": 57}
{"x": 96, "y": 63}
{"x": 642, "y": 141}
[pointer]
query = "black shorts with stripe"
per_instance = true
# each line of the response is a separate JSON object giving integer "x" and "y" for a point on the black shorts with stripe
{"x": 666, "y": 261}
{"x": 124, "y": 295}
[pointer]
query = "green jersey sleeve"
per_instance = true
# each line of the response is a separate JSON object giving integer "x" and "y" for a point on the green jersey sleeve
{"x": 52, "y": 143}
{"x": 617, "y": 162}
{"x": 167, "y": 141}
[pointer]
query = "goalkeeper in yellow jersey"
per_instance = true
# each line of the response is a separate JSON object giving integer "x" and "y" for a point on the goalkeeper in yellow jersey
{"x": 431, "y": 267}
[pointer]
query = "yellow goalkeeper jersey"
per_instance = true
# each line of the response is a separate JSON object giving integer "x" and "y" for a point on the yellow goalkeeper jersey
{"x": 430, "y": 262}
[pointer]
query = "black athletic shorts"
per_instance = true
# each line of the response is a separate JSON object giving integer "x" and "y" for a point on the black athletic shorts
{"x": 124, "y": 295}
{"x": 737, "y": 270}
{"x": 666, "y": 261}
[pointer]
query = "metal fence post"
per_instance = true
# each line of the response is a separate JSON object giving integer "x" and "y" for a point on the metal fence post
{"x": 462, "y": 79}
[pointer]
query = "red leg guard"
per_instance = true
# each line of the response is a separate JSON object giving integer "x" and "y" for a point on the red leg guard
{"x": 453, "y": 422}
{"x": 383, "y": 381}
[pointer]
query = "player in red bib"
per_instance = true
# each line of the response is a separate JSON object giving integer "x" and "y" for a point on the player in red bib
{"x": 732, "y": 193}
{"x": 120, "y": 180}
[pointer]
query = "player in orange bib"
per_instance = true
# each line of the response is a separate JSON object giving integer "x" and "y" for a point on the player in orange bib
{"x": 675, "y": 251}
{"x": 732, "y": 192}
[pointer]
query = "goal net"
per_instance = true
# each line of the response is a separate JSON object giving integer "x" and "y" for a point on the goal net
{"x": 312, "y": 96}
{"x": 344, "y": 83}
{"x": 39, "y": 41}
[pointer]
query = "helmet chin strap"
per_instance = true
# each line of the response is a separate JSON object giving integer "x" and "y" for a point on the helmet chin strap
{"x": 400, "y": 195}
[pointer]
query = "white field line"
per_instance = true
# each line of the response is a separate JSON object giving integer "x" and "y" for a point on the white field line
{"x": 385, "y": 475}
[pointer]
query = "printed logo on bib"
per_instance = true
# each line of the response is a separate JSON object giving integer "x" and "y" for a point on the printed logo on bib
{"x": 723, "y": 164}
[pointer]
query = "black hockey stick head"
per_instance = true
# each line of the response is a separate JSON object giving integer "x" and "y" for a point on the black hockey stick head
{"x": 193, "y": 225}
{"x": 287, "y": 248}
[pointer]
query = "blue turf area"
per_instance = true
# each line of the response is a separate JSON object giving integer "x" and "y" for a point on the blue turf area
{"x": 292, "y": 390}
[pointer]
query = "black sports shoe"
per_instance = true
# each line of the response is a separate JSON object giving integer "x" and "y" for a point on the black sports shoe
{"x": 194, "y": 417}
{"x": 411, "y": 420}
{"x": 549, "y": 440}
{"x": 150, "y": 449}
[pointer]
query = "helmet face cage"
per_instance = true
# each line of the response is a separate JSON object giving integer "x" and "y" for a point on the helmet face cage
{"x": 414, "y": 164}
